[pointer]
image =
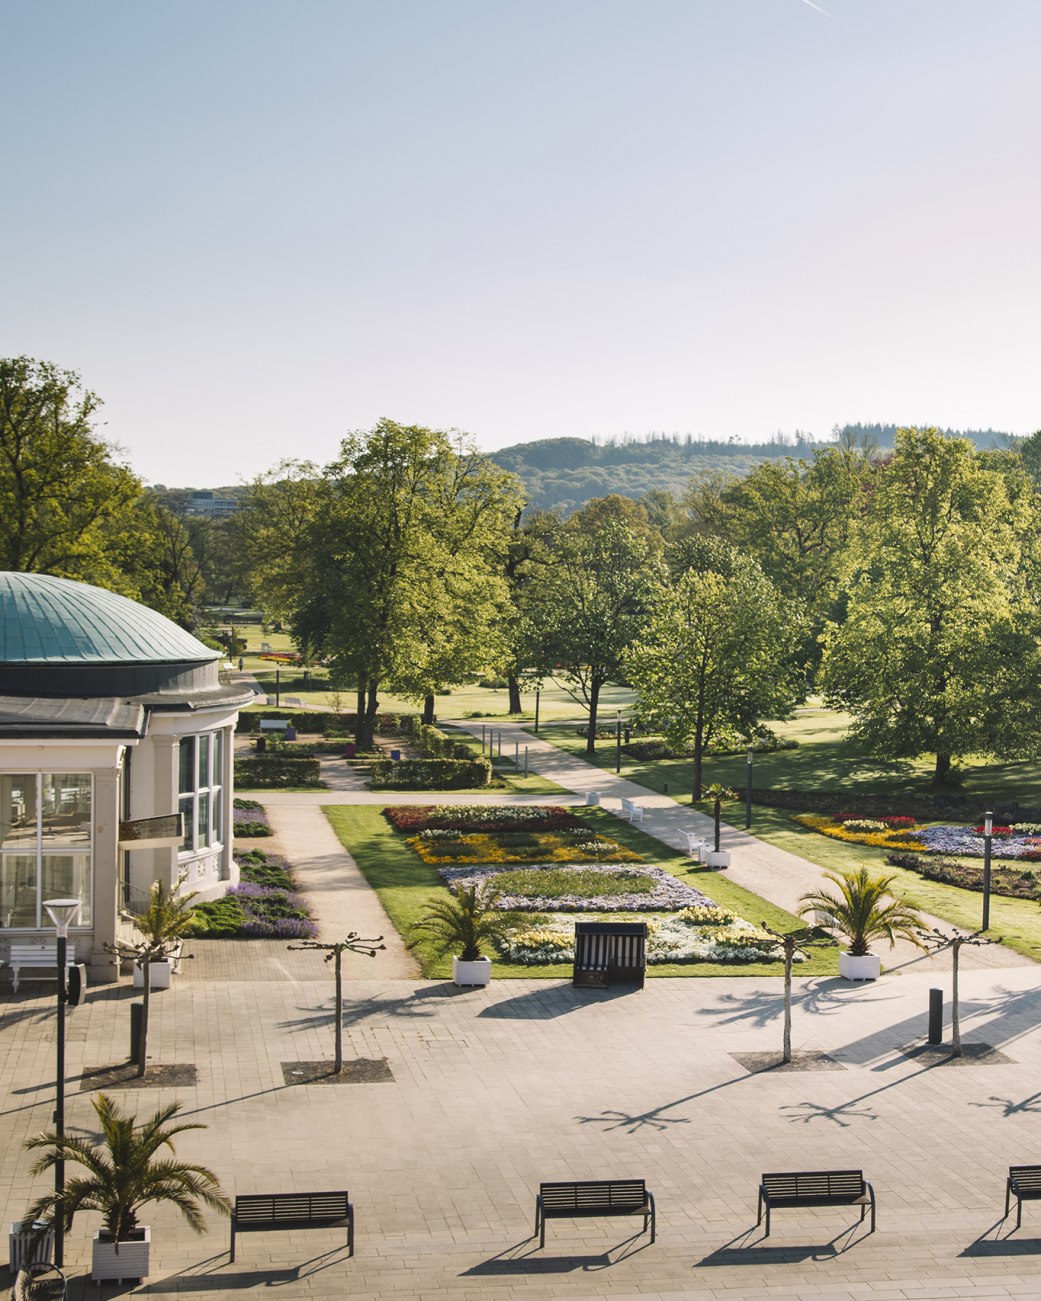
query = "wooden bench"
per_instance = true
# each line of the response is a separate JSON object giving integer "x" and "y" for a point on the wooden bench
{"x": 573, "y": 1200}
{"x": 632, "y": 810}
{"x": 1024, "y": 1183}
{"x": 34, "y": 954}
{"x": 259, "y": 1212}
{"x": 815, "y": 1188}
{"x": 696, "y": 846}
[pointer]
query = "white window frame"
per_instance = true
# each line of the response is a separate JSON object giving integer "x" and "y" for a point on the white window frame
{"x": 189, "y": 800}
{"x": 43, "y": 922}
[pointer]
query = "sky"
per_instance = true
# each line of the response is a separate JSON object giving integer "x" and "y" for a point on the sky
{"x": 254, "y": 227}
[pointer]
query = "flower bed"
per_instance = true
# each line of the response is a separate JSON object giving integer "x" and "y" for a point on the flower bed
{"x": 573, "y": 845}
{"x": 250, "y": 819}
{"x": 885, "y": 837}
{"x": 413, "y": 818}
{"x": 676, "y": 938}
{"x": 586, "y": 887}
{"x": 264, "y": 905}
{"x": 1011, "y": 882}
{"x": 1012, "y": 843}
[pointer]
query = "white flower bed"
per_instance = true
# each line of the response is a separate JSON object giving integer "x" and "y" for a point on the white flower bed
{"x": 668, "y": 892}
{"x": 964, "y": 841}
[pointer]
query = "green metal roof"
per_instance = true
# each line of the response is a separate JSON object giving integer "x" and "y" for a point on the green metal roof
{"x": 47, "y": 620}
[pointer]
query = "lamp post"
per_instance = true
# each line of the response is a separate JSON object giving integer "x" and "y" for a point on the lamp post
{"x": 618, "y": 740}
{"x": 536, "y": 711}
{"x": 988, "y": 829}
{"x": 748, "y": 788}
{"x": 63, "y": 913}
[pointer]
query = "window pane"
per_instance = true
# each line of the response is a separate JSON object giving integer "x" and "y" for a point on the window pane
{"x": 204, "y": 760}
{"x": 18, "y": 810}
{"x": 66, "y": 808}
{"x": 204, "y": 820}
{"x": 67, "y": 876}
{"x": 218, "y": 759}
{"x": 18, "y": 890}
{"x": 218, "y": 817}
{"x": 187, "y": 808}
{"x": 187, "y": 766}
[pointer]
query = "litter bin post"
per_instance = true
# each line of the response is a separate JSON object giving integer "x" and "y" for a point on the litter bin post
{"x": 936, "y": 1016}
{"x": 137, "y": 1014}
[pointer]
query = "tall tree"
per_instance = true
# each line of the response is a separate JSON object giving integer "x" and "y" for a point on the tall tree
{"x": 939, "y": 651}
{"x": 718, "y": 655}
{"x": 60, "y": 488}
{"x": 398, "y": 572}
{"x": 590, "y": 603}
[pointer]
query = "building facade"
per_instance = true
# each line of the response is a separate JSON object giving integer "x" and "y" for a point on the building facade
{"x": 109, "y": 714}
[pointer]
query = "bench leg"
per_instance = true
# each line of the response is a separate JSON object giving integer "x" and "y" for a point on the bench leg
{"x": 1019, "y": 1212}
{"x": 15, "y": 972}
{"x": 231, "y": 1250}
{"x": 350, "y": 1231}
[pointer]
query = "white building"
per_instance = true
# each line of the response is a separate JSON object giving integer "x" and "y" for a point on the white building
{"x": 109, "y": 713}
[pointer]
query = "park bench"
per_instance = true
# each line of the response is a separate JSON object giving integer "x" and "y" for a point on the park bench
{"x": 37, "y": 955}
{"x": 632, "y": 810}
{"x": 696, "y": 845}
{"x": 815, "y": 1188}
{"x": 1024, "y": 1183}
{"x": 259, "y": 1212}
{"x": 573, "y": 1200}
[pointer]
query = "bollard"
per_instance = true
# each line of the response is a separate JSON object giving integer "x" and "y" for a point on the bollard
{"x": 936, "y": 1016}
{"x": 665, "y": 788}
{"x": 525, "y": 761}
{"x": 482, "y": 738}
{"x": 516, "y": 754}
{"x": 137, "y": 1013}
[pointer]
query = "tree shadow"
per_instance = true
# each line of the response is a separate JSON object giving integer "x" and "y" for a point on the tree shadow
{"x": 1028, "y": 1106}
{"x": 654, "y": 1117}
{"x": 821, "y": 997}
{"x": 419, "y": 1003}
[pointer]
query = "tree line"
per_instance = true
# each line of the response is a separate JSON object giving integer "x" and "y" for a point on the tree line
{"x": 901, "y": 584}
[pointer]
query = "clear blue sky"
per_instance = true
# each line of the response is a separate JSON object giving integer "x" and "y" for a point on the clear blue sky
{"x": 255, "y": 226}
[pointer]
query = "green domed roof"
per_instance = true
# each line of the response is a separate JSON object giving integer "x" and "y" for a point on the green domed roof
{"x": 46, "y": 620}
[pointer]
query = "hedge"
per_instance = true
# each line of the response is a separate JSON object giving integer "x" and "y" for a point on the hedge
{"x": 925, "y": 808}
{"x": 1012, "y": 882}
{"x": 313, "y": 720}
{"x": 431, "y": 774}
{"x": 274, "y": 770}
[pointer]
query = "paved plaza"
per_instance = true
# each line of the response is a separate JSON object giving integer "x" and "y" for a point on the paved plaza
{"x": 486, "y": 1092}
{"x": 494, "y": 1090}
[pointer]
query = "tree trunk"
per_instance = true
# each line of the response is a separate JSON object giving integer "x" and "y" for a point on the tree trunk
{"x": 716, "y": 813}
{"x": 359, "y": 715}
{"x": 942, "y": 771}
{"x": 594, "y": 697}
{"x": 372, "y": 708}
{"x": 955, "y": 1026}
{"x": 428, "y": 710}
{"x": 338, "y": 1066}
{"x": 789, "y": 958}
{"x": 514, "y": 689}
{"x": 142, "y": 1045}
{"x": 699, "y": 745}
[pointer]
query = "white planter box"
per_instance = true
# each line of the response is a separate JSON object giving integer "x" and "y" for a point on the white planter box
{"x": 868, "y": 967}
{"x": 472, "y": 973}
{"x": 717, "y": 857}
{"x": 159, "y": 974}
{"x": 130, "y": 1262}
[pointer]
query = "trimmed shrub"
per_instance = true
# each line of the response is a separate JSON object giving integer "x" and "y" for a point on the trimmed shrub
{"x": 1011, "y": 882}
{"x": 311, "y": 720}
{"x": 430, "y": 774}
{"x": 274, "y": 770}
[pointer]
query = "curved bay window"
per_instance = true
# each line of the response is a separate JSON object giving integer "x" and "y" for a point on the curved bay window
{"x": 46, "y": 838}
{"x": 201, "y": 791}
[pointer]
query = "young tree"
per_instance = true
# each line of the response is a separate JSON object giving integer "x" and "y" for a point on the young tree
{"x": 939, "y": 652}
{"x": 717, "y": 654}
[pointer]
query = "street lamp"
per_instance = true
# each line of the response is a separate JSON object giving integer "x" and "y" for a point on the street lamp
{"x": 64, "y": 913}
{"x": 988, "y": 829}
{"x": 618, "y": 740}
{"x": 748, "y": 788}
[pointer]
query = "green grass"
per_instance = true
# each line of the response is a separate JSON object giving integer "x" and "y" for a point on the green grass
{"x": 404, "y": 883}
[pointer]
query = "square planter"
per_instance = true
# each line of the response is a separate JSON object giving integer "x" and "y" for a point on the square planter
{"x": 130, "y": 1262}
{"x": 868, "y": 967}
{"x": 717, "y": 857}
{"x": 159, "y": 974}
{"x": 471, "y": 973}
{"x": 30, "y": 1244}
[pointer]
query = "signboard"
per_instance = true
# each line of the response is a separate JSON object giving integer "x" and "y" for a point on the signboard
{"x": 151, "y": 833}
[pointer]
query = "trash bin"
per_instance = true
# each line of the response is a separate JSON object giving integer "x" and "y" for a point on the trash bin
{"x": 593, "y": 797}
{"x": 290, "y": 733}
{"x": 29, "y": 1244}
{"x": 261, "y": 744}
{"x": 395, "y": 755}
{"x": 348, "y": 750}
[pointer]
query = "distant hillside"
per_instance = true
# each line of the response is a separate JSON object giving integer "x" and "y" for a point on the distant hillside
{"x": 561, "y": 474}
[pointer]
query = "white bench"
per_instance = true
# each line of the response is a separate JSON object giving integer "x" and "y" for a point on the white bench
{"x": 696, "y": 846}
{"x": 33, "y": 954}
{"x": 633, "y": 811}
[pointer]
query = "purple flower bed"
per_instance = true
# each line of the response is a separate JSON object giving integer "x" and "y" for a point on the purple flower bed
{"x": 667, "y": 894}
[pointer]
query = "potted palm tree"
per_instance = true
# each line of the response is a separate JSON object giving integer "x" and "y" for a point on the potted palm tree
{"x": 862, "y": 911}
{"x": 717, "y": 793}
{"x": 125, "y": 1172}
{"x": 466, "y": 921}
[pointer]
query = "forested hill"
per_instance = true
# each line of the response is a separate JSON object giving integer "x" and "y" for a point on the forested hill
{"x": 562, "y": 473}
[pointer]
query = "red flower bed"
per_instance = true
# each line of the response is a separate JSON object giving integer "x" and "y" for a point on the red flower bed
{"x": 994, "y": 831}
{"x": 413, "y": 818}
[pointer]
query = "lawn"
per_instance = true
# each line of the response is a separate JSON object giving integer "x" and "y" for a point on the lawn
{"x": 404, "y": 883}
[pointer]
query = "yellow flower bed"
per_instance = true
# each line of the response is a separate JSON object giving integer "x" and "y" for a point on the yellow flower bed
{"x": 883, "y": 839}
{"x": 532, "y": 847}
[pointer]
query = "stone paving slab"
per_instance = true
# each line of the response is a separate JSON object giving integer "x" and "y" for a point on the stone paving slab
{"x": 496, "y": 1089}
